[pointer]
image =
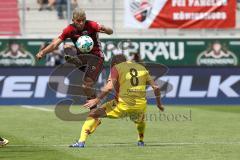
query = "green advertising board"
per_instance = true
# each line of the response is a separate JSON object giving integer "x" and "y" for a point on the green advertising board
{"x": 171, "y": 52}
{"x": 20, "y": 52}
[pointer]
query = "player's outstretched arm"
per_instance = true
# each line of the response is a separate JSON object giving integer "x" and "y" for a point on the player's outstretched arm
{"x": 105, "y": 90}
{"x": 157, "y": 94}
{"x": 106, "y": 30}
{"x": 51, "y": 47}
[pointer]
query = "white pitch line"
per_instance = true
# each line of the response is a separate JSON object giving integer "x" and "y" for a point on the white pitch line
{"x": 37, "y": 108}
{"x": 130, "y": 145}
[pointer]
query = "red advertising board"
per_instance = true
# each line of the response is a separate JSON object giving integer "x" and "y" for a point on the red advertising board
{"x": 180, "y": 13}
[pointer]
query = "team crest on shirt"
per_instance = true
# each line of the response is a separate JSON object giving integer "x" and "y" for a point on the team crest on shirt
{"x": 84, "y": 32}
{"x": 217, "y": 54}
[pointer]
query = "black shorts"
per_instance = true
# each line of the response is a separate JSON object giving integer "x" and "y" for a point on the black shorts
{"x": 92, "y": 65}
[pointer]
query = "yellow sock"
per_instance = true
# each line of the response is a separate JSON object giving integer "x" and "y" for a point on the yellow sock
{"x": 140, "y": 129}
{"x": 86, "y": 128}
{"x": 96, "y": 124}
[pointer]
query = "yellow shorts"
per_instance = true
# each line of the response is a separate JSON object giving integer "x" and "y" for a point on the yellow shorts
{"x": 115, "y": 109}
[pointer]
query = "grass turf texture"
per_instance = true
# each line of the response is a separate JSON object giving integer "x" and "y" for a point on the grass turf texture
{"x": 197, "y": 132}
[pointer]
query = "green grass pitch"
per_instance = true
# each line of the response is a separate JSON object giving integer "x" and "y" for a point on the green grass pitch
{"x": 181, "y": 133}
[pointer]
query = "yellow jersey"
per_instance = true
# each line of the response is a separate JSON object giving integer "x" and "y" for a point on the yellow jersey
{"x": 132, "y": 80}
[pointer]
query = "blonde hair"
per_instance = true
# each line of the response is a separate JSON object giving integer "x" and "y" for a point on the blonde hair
{"x": 77, "y": 12}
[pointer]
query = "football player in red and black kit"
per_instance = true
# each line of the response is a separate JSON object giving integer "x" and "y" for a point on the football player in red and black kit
{"x": 80, "y": 27}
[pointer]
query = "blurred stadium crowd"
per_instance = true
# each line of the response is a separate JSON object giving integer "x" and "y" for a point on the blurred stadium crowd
{"x": 46, "y": 18}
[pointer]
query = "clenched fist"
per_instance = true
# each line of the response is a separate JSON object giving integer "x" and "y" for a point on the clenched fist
{"x": 40, "y": 55}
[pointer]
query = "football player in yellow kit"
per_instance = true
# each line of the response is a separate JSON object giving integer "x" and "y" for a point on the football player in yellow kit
{"x": 129, "y": 80}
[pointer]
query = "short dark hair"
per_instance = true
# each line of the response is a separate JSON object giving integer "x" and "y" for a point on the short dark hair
{"x": 116, "y": 59}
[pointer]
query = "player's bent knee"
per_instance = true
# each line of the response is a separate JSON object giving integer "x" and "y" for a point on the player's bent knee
{"x": 88, "y": 84}
{"x": 97, "y": 113}
{"x": 84, "y": 86}
{"x": 93, "y": 114}
{"x": 88, "y": 81}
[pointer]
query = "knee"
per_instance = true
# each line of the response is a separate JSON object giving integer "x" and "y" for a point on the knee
{"x": 97, "y": 113}
{"x": 86, "y": 86}
{"x": 88, "y": 83}
{"x": 93, "y": 114}
{"x": 83, "y": 86}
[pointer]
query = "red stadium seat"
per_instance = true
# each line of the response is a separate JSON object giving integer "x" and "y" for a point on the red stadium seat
{"x": 9, "y": 18}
